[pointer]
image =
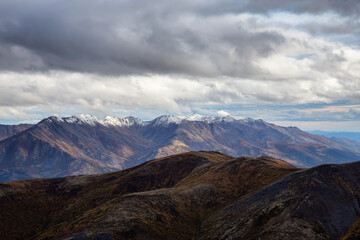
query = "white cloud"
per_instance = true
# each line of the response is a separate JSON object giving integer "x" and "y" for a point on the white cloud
{"x": 108, "y": 57}
{"x": 223, "y": 113}
{"x": 102, "y": 94}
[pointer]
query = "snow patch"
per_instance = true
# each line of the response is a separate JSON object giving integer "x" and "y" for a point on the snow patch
{"x": 251, "y": 120}
{"x": 200, "y": 118}
{"x": 87, "y": 119}
{"x": 122, "y": 122}
{"x": 166, "y": 120}
{"x": 83, "y": 119}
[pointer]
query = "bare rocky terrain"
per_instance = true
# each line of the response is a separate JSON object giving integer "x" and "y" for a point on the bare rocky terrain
{"x": 195, "y": 195}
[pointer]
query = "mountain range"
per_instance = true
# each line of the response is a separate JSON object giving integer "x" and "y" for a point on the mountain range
{"x": 10, "y": 130}
{"x": 84, "y": 144}
{"x": 355, "y": 136}
{"x": 194, "y": 195}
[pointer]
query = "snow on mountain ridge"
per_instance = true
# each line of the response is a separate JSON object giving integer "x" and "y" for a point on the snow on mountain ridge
{"x": 82, "y": 119}
{"x": 121, "y": 122}
{"x": 251, "y": 120}
{"x": 200, "y": 118}
{"x": 207, "y": 119}
{"x": 164, "y": 120}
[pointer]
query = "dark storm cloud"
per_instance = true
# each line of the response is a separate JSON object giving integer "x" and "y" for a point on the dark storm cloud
{"x": 343, "y": 7}
{"x": 196, "y": 37}
{"x": 123, "y": 37}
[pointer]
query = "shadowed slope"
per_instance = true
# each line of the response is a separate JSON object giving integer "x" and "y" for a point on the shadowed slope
{"x": 354, "y": 231}
{"x": 318, "y": 203}
{"x": 54, "y": 148}
{"x": 195, "y": 195}
{"x": 166, "y": 198}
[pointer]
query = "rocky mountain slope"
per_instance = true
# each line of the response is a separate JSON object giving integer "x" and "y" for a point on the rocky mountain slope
{"x": 83, "y": 144}
{"x": 10, "y": 130}
{"x": 318, "y": 203}
{"x": 195, "y": 195}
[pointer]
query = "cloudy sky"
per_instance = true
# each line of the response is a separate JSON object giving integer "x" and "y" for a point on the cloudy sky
{"x": 292, "y": 62}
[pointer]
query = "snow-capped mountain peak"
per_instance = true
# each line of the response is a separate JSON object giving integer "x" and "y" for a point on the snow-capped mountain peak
{"x": 130, "y": 121}
{"x": 207, "y": 119}
{"x": 82, "y": 119}
{"x": 111, "y": 121}
{"x": 251, "y": 120}
{"x": 199, "y": 118}
{"x": 227, "y": 118}
{"x": 166, "y": 120}
{"x": 87, "y": 119}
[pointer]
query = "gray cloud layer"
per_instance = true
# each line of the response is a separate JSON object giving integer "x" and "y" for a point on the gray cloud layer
{"x": 176, "y": 55}
{"x": 116, "y": 37}
{"x": 345, "y": 7}
{"x": 141, "y": 37}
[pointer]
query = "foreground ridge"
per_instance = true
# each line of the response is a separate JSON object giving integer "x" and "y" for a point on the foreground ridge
{"x": 195, "y": 195}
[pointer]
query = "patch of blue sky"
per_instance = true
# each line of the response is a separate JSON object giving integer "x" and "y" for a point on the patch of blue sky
{"x": 302, "y": 56}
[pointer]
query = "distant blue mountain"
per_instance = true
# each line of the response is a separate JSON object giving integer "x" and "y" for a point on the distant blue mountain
{"x": 349, "y": 135}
